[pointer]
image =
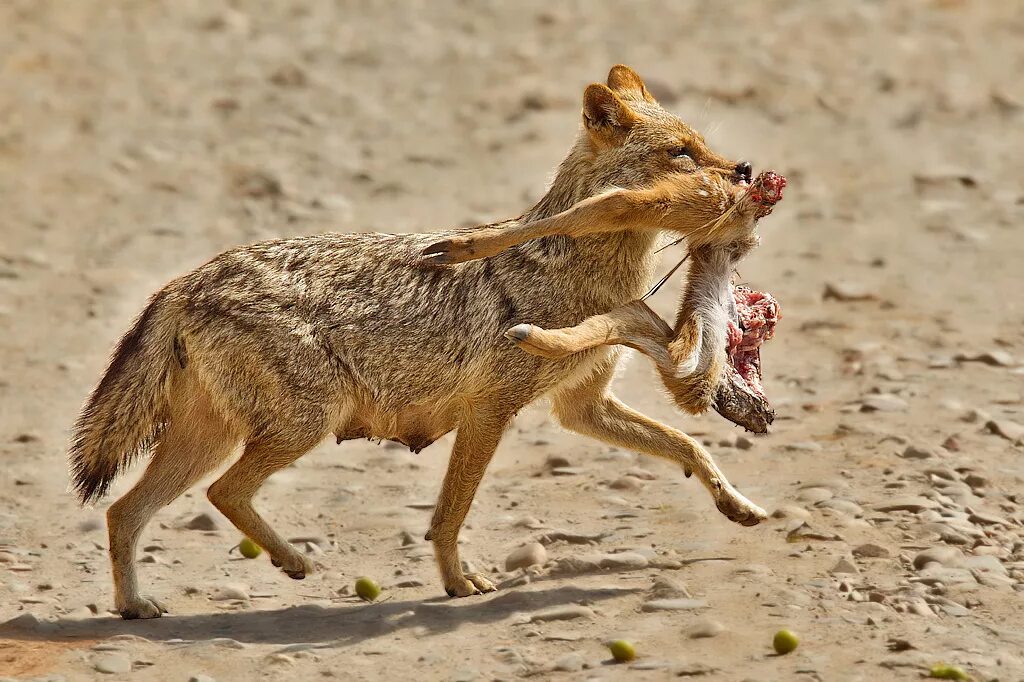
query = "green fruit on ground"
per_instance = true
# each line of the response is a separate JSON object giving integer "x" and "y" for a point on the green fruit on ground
{"x": 784, "y": 642}
{"x": 622, "y": 650}
{"x": 367, "y": 589}
{"x": 943, "y": 671}
{"x": 249, "y": 549}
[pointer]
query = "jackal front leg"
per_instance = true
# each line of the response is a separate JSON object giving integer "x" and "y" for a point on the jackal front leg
{"x": 475, "y": 443}
{"x": 590, "y": 409}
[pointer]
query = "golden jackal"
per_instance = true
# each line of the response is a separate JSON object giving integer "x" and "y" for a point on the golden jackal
{"x": 278, "y": 344}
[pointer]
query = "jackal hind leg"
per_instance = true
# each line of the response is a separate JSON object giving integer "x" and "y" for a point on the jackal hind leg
{"x": 232, "y": 494}
{"x": 633, "y": 324}
{"x": 195, "y": 442}
{"x": 592, "y": 410}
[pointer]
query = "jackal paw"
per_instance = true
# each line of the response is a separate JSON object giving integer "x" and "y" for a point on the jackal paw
{"x": 448, "y": 251}
{"x": 526, "y": 337}
{"x": 141, "y": 608}
{"x": 470, "y": 584}
{"x": 738, "y": 508}
{"x": 294, "y": 565}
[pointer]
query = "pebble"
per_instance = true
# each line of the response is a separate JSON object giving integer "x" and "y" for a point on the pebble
{"x": 846, "y": 292}
{"x": 705, "y": 628}
{"x": 572, "y": 538}
{"x": 664, "y": 587}
{"x": 910, "y": 504}
{"x": 531, "y": 554}
{"x": 234, "y": 591}
{"x": 112, "y": 664}
{"x": 1006, "y": 429}
{"x": 201, "y": 678}
{"x": 202, "y": 522}
{"x": 883, "y": 402}
{"x": 995, "y": 358}
{"x": 626, "y": 483}
{"x": 918, "y": 451}
{"x": 568, "y": 612}
{"x": 945, "y": 556}
{"x": 985, "y": 563}
{"x": 840, "y": 505}
{"x": 814, "y": 495}
{"x": 744, "y": 443}
{"x": 843, "y": 566}
{"x": 870, "y": 551}
{"x": 674, "y": 605}
{"x": 791, "y": 512}
{"x": 975, "y": 416}
{"x": 557, "y": 462}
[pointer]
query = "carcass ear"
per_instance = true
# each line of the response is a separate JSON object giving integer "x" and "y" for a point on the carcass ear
{"x": 606, "y": 117}
{"x": 626, "y": 83}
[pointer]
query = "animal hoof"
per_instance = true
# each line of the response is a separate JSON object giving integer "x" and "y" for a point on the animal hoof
{"x": 472, "y": 583}
{"x": 438, "y": 252}
{"x": 740, "y": 510}
{"x": 520, "y": 332}
{"x": 296, "y": 566}
{"x": 142, "y": 608}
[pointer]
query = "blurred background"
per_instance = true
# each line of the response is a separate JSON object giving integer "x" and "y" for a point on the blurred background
{"x": 138, "y": 139}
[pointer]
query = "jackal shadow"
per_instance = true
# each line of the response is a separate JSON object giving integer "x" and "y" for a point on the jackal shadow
{"x": 313, "y": 625}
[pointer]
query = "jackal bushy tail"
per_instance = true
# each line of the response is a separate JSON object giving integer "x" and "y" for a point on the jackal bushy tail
{"x": 128, "y": 409}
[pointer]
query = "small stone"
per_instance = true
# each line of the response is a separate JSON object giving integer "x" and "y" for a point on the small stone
{"x": 201, "y": 522}
{"x": 791, "y": 512}
{"x": 976, "y": 481}
{"x": 1006, "y": 429}
{"x": 623, "y": 560}
{"x": 945, "y": 556}
{"x": 568, "y": 612}
{"x": 231, "y": 592}
{"x": 201, "y": 678}
{"x": 665, "y": 587}
{"x": 995, "y": 358}
{"x": 843, "y": 566}
{"x": 870, "y": 551}
{"x": 557, "y": 462}
{"x": 815, "y": 494}
{"x": 531, "y": 554}
{"x": 975, "y": 416}
{"x": 704, "y": 628}
{"x": 674, "y": 605}
{"x": 626, "y": 483}
{"x": 840, "y": 505}
{"x": 846, "y": 292}
{"x": 883, "y": 402}
{"x": 918, "y": 451}
{"x": 744, "y": 443}
{"x": 910, "y": 504}
{"x": 112, "y": 664}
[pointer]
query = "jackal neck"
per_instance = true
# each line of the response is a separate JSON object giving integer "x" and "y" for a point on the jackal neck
{"x": 615, "y": 267}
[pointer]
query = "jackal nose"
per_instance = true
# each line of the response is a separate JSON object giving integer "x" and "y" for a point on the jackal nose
{"x": 744, "y": 170}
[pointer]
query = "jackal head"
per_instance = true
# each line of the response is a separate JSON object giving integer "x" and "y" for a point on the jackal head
{"x": 629, "y": 140}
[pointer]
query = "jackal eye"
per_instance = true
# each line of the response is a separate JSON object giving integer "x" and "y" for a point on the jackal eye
{"x": 679, "y": 153}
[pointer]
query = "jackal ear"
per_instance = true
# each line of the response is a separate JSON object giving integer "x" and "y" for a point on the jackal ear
{"x": 625, "y": 82}
{"x": 604, "y": 114}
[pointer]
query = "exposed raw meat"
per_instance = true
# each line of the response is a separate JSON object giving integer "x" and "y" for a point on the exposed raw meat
{"x": 758, "y": 313}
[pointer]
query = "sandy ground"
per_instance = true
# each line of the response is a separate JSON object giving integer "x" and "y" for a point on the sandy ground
{"x": 139, "y": 139}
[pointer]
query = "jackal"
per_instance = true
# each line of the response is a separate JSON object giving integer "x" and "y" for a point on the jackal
{"x": 276, "y": 345}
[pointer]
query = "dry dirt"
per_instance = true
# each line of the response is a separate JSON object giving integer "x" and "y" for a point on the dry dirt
{"x": 139, "y": 139}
